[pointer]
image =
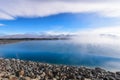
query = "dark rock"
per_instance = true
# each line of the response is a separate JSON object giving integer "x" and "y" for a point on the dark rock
{"x": 13, "y": 69}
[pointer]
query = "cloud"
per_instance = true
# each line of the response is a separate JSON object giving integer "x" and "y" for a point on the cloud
{"x": 5, "y": 16}
{"x": 99, "y": 41}
{"x": 1, "y": 24}
{"x": 57, "y": 33}
{"x": 10, "y": 9}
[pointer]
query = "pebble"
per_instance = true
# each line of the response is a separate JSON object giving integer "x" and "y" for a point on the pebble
{"x": 15, "y": 69}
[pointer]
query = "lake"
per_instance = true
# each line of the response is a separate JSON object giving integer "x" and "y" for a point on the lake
{"x": 58, "y": 52}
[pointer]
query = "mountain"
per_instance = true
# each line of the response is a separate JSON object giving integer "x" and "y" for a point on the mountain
{"x": 37, "y": 36}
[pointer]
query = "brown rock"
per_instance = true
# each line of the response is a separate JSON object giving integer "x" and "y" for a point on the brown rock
{"x": 12, "y": 77}
{"x": 27, "y": 78}
{"x": 21, "y": 73}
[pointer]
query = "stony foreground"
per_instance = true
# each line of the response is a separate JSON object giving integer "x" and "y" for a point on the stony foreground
{"x": 14, "y": 69}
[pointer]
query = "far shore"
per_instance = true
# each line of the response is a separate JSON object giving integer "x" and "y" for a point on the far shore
{"x": 14, "y": 40}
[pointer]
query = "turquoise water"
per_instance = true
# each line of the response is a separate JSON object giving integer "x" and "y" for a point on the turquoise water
{"x": 56, "y": 52}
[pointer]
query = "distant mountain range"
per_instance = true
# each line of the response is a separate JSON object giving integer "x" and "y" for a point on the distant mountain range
{"x": 52, "y": 35}
{"x": 37, "y": 36}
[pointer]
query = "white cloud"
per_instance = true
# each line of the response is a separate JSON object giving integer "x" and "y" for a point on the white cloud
{"x": 6, "y": 16}
{"x": 1, "y": 24}
{"x": 57, "y": 33}
{"x": 10, "y": 9}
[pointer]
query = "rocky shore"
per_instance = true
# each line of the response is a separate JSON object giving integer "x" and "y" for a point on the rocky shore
{"x": 15, "y": 69}
{"x": 9, "y": 41}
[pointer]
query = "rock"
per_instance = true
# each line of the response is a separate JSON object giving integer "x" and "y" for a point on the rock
{"x": 111, "y": 78}
{"x": 13, "y": 77}
{"x": 99, "y": 70}
{"x": 87, "y": 79}
{"x": 38, "y": 77}
{"x": 21, "y": 73}
{"x": 33, "y": 79}
{"x": 27, "y": 78}
{"x": 106, "y": 78}
{"x": 54, "y": 79}
{"x": 12, "y": 69}
{"x": 17, "y": 74}
{"x": 2, "y": 74}
{"x": 118, "y": 73}
{"x": 43, "y": 74}
{"x": 8, "y": 67}
{"x": 21, "y": 78}
{"x": 57, "y": 77}
{"x": 79, "y": 77}
{"x": 82, "y": 78}
{"x": 4, "y": 79}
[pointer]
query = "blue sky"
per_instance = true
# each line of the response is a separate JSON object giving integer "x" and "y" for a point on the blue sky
{"x": 37, "y": 16}
{"x": 64, "y": 22}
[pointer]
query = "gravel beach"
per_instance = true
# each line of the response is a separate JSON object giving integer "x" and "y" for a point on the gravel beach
{"x": 15, "y": 69}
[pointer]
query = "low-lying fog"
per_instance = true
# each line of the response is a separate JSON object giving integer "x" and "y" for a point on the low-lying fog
{"x": 106, "y": 41}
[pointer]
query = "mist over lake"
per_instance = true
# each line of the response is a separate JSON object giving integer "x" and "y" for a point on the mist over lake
{"x": 59, "y": 52}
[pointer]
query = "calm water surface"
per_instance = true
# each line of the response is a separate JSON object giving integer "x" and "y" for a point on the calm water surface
{"x": 57, "y": 52}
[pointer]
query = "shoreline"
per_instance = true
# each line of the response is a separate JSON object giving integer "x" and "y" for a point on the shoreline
{"x": 14, "y": 40}
{"x": 15, "y": 69}
{"x": 9, "y": 41}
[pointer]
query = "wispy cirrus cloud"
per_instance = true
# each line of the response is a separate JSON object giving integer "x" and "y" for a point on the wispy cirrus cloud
{"x": 10, "y": 9}
{"x": 2, "y": 24}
